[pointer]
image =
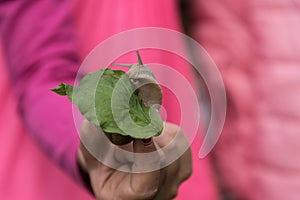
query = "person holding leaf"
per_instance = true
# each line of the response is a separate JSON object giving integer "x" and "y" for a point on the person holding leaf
{"x": 41, "y": 42}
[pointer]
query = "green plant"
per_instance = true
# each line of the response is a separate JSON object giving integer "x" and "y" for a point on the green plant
{"x": 112, "y": 100}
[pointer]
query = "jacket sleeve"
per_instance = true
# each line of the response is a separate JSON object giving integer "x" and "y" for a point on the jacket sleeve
{"x": 40, "y": 50}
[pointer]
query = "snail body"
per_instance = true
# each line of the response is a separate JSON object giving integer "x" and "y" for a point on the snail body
{"x": 148, "y": 89}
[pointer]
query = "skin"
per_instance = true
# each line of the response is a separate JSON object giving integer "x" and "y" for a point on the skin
{"x": 108, "y": 183}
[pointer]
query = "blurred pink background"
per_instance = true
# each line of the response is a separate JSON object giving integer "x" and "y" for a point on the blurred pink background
{"x": 256, "y": 46}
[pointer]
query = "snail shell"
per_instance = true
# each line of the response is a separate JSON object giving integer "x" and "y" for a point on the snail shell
{"x": 144, "y": 80}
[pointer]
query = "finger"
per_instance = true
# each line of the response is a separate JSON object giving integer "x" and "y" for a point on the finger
{"x": 86, "y": 160}
{"x": 92, "y": 138}
{"x": 176, "y": 173}
{"x": 87, "y": 128}
{"x": 98, "y": 145}
{"x": 177, "y": 147}
{"x": 168, "y": 134}
{"x": 185, "y": 165}
{"x": 142, "y": 185}
{"x": 146, "y": 156}
{"x": 168, "y": 188}
{"x": 124, "y": 155}
{"x": 145, "y": 184}
{"x": 185, "y": 160}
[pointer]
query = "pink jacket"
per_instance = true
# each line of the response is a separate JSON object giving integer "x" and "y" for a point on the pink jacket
{"x": 256, "y": 46}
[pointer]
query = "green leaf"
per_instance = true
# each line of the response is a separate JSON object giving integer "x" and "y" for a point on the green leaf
{"x": 131, "y": 115}
{"x": 63, "y": 90}
{"x": 108, "y": 99}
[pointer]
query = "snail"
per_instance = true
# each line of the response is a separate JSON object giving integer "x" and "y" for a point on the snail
{"x": 142, "y": 77}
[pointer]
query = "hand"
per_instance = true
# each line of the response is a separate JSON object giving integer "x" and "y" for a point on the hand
{"x": 109, "y": 183}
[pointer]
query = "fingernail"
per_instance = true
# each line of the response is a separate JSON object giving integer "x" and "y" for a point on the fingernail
{"x": 147, "y": 142}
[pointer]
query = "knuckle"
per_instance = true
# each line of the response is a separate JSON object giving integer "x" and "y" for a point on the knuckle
{"x": 104, "y": 195}
{"x": 186, "y": 174}
{"x": 172, "y": 129}
{"x": 99, "y": 195}
{"x": 173, "y": 192}
{"x": 148, "y": 193}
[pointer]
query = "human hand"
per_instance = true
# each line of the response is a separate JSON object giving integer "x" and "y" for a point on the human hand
{"x": 122, "y": 182}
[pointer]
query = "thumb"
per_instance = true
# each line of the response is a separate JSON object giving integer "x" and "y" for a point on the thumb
{"x": 146, "y": 156}
{"x": 143, "y": 146}
{"x": 145, "y": 175}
